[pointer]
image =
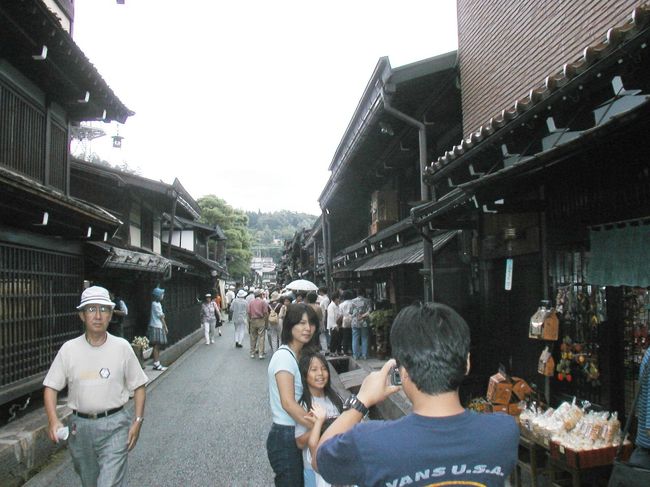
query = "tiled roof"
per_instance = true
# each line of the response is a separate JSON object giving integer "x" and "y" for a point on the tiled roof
{"x": 119, "y": 258}
{"x": 402, "y": 255}
{"x": 464, "y": 193}
{"x": 65, "y": 74}
{"x": 537, "y": 96}
{"x": 363, "y": 143}
{"x": 54, "y": 196}
{"x": 215, "y": 230}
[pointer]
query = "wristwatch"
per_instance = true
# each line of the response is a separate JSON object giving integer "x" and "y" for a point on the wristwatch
{"x": 139, "y": 419}
{"x": 353, "y": 402}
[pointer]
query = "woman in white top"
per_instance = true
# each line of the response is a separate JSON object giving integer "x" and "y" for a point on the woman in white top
{"x": 285, "y": 390}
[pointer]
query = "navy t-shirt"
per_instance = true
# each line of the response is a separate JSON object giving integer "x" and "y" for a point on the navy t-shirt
{"x": 470, "y": 449}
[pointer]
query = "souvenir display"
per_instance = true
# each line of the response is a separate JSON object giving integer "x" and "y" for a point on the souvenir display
{"x": 506, "y": 394}
{"x": 636, "y": 320}
{"x": 544, "y": 324}
{"x": 545, "y": 363}
{"x": 581, "y": 308}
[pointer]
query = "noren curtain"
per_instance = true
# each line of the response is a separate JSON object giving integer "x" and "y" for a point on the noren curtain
{"x": 620, "y": 256}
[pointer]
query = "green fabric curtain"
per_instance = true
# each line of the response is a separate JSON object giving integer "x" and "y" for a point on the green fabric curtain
{"x": 620, "y": 256}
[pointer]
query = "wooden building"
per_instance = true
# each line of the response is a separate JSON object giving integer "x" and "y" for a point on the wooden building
{"x": 144, "y": 253}
{"x": 554, "y": 185}
{"x": 46, "y": 85}
{"x": 406, "y": 117}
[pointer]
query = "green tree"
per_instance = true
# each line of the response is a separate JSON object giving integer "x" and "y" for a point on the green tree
{"x": 234, "y": 223}
{"x": 279, "y": 225}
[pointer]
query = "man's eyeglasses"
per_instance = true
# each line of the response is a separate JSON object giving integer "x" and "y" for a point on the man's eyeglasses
{"x": 91, "y": 310}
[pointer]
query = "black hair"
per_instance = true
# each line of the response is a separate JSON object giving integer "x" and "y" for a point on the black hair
{"x": 361, "y": 292}
{"x": 431, "y": 341}
{"x": 335, "y": 295}
{"x": 347, "y": 295}
{"x": 293, "y": 317}
{"x": 322, "y": 290}
{"x": 306, "y": 398}
{"x": 312, "y": 297}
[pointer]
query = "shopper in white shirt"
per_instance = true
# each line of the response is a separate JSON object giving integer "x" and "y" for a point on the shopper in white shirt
{"x": 333, "y": 331}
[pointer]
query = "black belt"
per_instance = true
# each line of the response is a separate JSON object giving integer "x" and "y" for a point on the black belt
{"x": 103, "y": 414}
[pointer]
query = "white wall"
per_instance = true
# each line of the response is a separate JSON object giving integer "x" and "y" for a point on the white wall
{"x": 156, "y": 235}
{"x": 187, "y": 240}
{"x": 136, "y": 240}
{"x": 183, "y": 239}
{"x": 135, "y": 220}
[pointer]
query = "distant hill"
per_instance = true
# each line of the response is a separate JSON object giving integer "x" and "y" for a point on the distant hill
{"x": 269, "y": 228}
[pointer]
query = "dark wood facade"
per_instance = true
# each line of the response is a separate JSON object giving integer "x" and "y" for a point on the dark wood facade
{"x": 43, "y": 76}
{"x": 535, "y": 183}
{"x": 364, "y": 234}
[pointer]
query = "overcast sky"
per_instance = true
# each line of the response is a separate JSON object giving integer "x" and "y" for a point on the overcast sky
{"x": 248, "y": 99}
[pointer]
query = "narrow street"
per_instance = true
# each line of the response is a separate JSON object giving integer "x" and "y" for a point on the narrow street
{"x": 207, "y": 418}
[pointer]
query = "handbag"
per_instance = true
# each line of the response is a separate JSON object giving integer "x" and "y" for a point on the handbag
{"x": 624, "y": 474}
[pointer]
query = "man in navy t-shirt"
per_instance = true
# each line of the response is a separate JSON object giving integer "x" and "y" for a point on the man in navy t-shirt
{"x": 440, "y": 442}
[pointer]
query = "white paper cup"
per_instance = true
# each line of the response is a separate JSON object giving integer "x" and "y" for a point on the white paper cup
{"x": 63, "y": 433}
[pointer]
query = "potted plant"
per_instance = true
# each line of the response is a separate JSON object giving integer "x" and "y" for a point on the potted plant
{"x": 142, "y": 349}
{"x": 381, "y": 321}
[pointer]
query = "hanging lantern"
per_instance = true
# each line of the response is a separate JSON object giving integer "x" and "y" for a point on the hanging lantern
{"x": 117, "y": 141}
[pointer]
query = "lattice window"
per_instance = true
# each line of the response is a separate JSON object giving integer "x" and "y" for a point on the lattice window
{"x": 58, "y": 156}
{"x": 39, "y": 292}
{"x": 22, "y": 134}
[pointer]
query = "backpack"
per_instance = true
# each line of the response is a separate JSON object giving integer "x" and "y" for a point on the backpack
{"x": 273, "y": 317}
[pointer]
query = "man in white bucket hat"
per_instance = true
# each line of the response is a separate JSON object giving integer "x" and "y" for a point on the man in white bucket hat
{"x": 101, "y": 371}
{"x": 239, "y": 317}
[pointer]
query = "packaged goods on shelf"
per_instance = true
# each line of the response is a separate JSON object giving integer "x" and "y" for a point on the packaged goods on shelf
{"x": 582, "y": 439}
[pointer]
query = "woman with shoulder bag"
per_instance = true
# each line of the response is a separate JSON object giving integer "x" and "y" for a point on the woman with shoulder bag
{"x": 274, "y": 327}
{"x": 285, "y": 390}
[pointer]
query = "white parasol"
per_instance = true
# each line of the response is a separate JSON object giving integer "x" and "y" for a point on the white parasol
{"x": 302, "y": 285}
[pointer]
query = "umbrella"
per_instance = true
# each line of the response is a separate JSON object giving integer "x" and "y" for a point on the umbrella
{"x": 302, "y": 285}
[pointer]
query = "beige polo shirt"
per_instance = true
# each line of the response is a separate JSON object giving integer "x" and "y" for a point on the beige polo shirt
{"x": 98, "y": 378}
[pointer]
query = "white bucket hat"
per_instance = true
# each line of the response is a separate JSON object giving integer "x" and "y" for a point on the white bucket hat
{"x": 95, "y": 295}
{"x": 241, "y": 293}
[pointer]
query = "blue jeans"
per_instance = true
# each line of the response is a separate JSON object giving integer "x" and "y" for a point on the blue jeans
{"x": 310, "y": 477}
{"x": 362, "y": 334}
{"x": 284, "y": 456}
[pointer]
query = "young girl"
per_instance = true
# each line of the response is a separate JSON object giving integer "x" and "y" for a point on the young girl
{"x": 323, "y": 404}
{"x": 285, "y": 389}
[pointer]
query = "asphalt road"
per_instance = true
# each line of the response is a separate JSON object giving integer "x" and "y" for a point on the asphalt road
{"x": 206, "y": 423}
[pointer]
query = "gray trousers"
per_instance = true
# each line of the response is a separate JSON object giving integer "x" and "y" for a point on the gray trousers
{"x": 99, "y": 449}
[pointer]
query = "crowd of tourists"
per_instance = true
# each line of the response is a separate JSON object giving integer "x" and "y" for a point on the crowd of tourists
{"x": 343, "y": 317}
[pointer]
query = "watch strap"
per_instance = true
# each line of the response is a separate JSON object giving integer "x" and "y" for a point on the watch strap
{"x": 353, "y": 402}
